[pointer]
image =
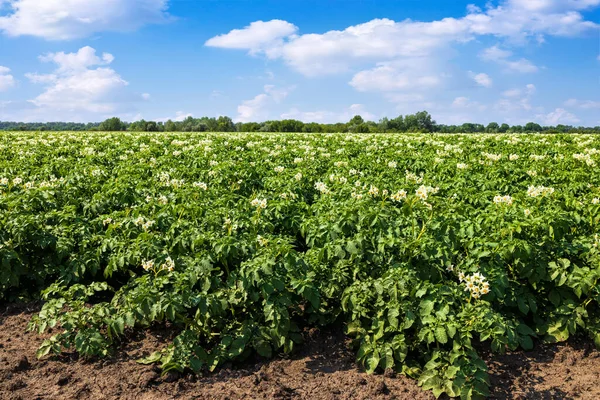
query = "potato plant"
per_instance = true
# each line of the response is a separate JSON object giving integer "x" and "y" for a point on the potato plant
{"x": 425, "y": 247}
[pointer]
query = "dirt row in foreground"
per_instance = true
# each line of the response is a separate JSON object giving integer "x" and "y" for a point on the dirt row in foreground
{"x": 323, "y": 368}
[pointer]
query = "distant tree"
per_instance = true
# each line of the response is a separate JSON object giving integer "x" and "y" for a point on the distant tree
{"x": 468, "y": 127}
{"x": 291, "y": 125}
{"x": 504, "y": 128}
{"x": 384, "y": 125}
{"x": 419, "y": 122}
{"x": 248, "y": 127}
{"x": 312, "y": 127}
{"x": 112, "y": 125}
{"x": 533, "y": 127}
{"x": 170, "y": 126}
{"x": 356, "y": 120}
{"x": 397, "y": 124}
{"x": 360, "y": 128}
{"x": 151, "y": 126}
{"x": 225, "y": 124}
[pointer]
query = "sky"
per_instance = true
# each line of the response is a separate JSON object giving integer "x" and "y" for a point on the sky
{"x": 508, "y": 61}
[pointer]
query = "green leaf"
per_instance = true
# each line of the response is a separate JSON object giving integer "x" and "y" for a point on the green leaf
{"x": 151, "y": 359}
{"x": 440, "y": 335}
{"x": 372, "y": 361}
{"x": 264, "y": 349}
{"x": 554, "y": 297}
{"x": 526, "y": 342}
{"x": 393, "y": 314}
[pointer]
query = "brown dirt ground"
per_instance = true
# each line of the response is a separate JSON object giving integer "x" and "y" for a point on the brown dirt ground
{"x": 323, "y": 368}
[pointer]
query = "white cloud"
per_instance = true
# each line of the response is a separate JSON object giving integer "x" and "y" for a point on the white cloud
{"x": 482, "y": 79}
{"x": 384, "y": 40}
{"x": 516, "y": 99}
{"x": 328, "y": 117}
{"x": 81, "y": 87}
{"x": 512, "y": 93}
{"x": 258, "y": 37}
{"x": 464, "y": 103}
{"x": 335, "y": 51}
{"x": 460, "y": 102}
{"x": 405, "y": 97}
{"x": 392, "y": 77}
{"x": 519, "y": 20}
{"x": 179, "y": 116}
{"x": 501, "y": 57}
{"x": 552, "y": 5}
{"x": 558, "y": 116}
{"x": 69, "y": 19}
{"x": 257, "y": 109}
{"x": 7, "y": 81}
{"x": 522, "y": 65}
{"x": 583, "y": 104}
{"x": 530, "y": 89}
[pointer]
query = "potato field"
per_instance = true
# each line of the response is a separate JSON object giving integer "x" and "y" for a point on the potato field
{"x": 425, "y": 248}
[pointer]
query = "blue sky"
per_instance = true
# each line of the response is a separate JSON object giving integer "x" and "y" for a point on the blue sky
{"x": 508, "y": 61}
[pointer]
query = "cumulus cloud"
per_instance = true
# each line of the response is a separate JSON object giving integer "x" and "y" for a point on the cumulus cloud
{"x": 179, "y": 116}
{"x": 81, "y": 86}
{"x": 512, "y": 93}
{"x": 583, "y": 104}
{"x": 257, "y": 108}
{"x": 259, "y": 36}
{"x": 70, "y": 19}
{"x": 328, "y": 117}
{"x": 482, "y": 79}
{"x": 465, "y": 103}
{"x": 516, "y": 99}
{"x": 7, "y": 81}
{"x": 501, "y": 57}
{"x": 382, "y": 40}
{"x": 393, "y": 77}
{"x": 558, "y": 116}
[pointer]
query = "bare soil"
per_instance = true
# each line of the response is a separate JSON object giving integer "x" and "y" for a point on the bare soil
{"x": 323, "y": 368}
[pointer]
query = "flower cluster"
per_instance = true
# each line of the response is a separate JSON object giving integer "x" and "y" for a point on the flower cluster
{"x": 503, "y": 200}
{"x": 259, "y": 203}
{"x": 584, "y": 158}
{"x": 492, "y": 157}
{"x": 262, "y": 241}
{"x": 423, "y": 191}
{"x": 150, "y": 265}
{"x": 398, "y": 196}
{"x": 229, "y": 225}
{"x": 142, "y": 222}
{"x": 200, "y": 185}
{"x": 535, "y": 191}
{"x": 476, "y": 284}
{"x": 412, "y": 177}
{"x": 169, "y": 264}
{"x": 373, "y": 191}
{"x": 322, "y": 187}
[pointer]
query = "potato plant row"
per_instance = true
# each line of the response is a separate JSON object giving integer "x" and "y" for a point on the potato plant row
{"x": 425, "y": 247}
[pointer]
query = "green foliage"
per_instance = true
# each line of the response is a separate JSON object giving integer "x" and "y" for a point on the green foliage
{"x": 242, "y": 242}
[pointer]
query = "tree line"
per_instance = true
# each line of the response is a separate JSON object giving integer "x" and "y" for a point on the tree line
{"x": 418, "y": 122}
